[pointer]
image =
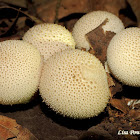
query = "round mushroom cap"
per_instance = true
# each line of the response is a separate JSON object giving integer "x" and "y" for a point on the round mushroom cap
{"x": 123, "y": 56}
{"x": 91, "y": 21}
{"x": 20, "y": 67}
{"x": 49, "y": 38}
{"x": 74, "y": 84}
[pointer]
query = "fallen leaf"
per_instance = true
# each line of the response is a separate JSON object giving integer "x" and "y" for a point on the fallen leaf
{"x": 112, "y": 6}
{"x": 135, "y": 5}
{"x": 21, "y": 22}
{"x": 47, "y": 11}
{"x": 69, "y": 24}
{"x": 99, "y": 41}
{"x": 114, "y": 85}
{"x": 120, "y": 104}
{"x": 9, "y": 129}
{"x": 21, "y": 3}
{"x": 33, "y": 18}
{"x": 127, "y": 21}
{"x": 4, "y": 25}
{"x": 111, "y": 84}
{"x": 115, "y": 89}
{"x": 135, "y": 114}
{"x": 9, "y": 31}
{"x": 110, "y": 80}
{"x": 38, "y": 2}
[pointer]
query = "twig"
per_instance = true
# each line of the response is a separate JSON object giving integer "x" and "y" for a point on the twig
{"x": 57, "y": 11}
{"x": 36, "y": 20}
{"x": 12, "y": 26}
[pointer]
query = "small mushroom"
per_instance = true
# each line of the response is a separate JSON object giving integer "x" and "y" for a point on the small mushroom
{"x": 91, "y": 21}
{"x": 123, "y": 56}
{"x": 20, "y": 67}
{"x": 74, "y": 84}
{"x": 49, "y": 38}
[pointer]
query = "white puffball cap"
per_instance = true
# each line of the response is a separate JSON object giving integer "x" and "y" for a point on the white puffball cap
{"x": 20, "y": 67}
{"x": 49, "y": 38}
{"x": 92, "y": 20}
{"x": 123, "y": 56}
{"x": 74, "y": 84}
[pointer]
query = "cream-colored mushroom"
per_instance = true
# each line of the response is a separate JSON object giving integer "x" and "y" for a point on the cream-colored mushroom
{"x": 123, "y": 56}
{"x": 49, "y": 38}
{"x": 92, "y": 20}
{"x": 74, "y": 84}
{"x": 20, "y": 67}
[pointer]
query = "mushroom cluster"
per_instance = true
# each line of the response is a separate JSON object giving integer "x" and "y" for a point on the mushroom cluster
{"x": 74, "y": 84}
{"x": 20, "y": 69}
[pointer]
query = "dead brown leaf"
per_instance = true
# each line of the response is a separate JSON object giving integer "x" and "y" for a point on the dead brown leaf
{"x": 8, "y": 32}
{"x": 135, "y": 5}
{"x": 47, "y": 11}
{"x": 68, "y": 24}
{"x": 21, "y": 22}
{"x": 9, "y": 129}
{"x": 111, "y": 85}
{"x": 134, "y": 114}
{"x": 127, "y": 21}
{"x": 10, "y": 26}
{"x": 112, "y": 6}
{"x": 5, "y": 24}
{"x": 99, "y": 41}
{"x": 20, "y": 3}
{"x": 116, "y": 88}
{"x": 120, "y": 104}
{"x": 35, "y": 19}
{"x": 110, "y": 80}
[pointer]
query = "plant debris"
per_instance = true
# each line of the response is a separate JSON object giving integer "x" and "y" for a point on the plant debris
{"x": 135, "y": 5}
{"x": 120, "y": 104}
{"x": 99, "y": 41}
{"x": 47, "y": 12}
{"x": 9, "y": 129}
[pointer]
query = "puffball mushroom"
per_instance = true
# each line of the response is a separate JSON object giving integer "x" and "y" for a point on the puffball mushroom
{"x": 49, "y": 38}
{"x": 123, "y": 56}
{"x": 74, "y": 84}
{"x": 92, "y": 20}
{"x": 20, "y": 67}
